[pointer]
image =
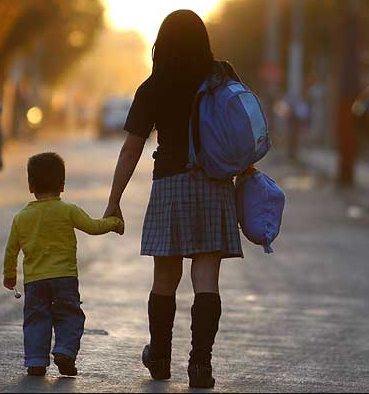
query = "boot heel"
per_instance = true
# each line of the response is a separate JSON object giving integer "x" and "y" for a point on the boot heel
{"x": 201, "y": 377}
{"x": 159, "y": 369}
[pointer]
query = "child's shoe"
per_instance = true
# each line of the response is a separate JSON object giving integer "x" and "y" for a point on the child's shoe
{"x": 65, "y": 364}
{"x": 201, "y": 376}
{"x": 36, "y": 371}
{"x": 159, "y": 369}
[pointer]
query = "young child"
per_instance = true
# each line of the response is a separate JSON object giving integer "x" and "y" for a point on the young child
{"x": 44, "y": 231}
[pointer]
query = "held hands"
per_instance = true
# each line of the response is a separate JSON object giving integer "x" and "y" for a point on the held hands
{"x": 120, "y": 229}
{"x": 114, "y": 210}
{"x": 10, "y": 283}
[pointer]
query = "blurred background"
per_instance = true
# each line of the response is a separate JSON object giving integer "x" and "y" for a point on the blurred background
{"x": 70, "y": 66}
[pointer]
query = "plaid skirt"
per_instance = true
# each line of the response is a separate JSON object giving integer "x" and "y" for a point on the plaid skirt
{"x": 191, "y": 214}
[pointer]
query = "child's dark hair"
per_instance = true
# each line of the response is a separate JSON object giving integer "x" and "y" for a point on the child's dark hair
{"x": 46, "y": 173}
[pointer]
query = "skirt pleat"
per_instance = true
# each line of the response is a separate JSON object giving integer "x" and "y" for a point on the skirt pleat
{"x": 190, "y": 214}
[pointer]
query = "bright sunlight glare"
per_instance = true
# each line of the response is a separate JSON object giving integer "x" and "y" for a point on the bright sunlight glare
{"x": 146, "y": 16}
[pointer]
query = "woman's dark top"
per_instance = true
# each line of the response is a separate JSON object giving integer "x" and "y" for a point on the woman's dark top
{"x": 169, "y": 114}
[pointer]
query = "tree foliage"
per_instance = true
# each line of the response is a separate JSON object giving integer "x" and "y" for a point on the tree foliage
{"x": 46, "y": 31}
{"x": 21, "y": 22}
{"x": 68, "y": 38}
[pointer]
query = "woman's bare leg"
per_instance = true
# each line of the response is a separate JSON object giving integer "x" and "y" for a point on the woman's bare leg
{"x": 167, "y": 275}
{"x": 205, "y": 273}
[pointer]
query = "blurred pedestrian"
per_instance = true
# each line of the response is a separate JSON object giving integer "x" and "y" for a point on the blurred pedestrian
{"x": 298, "y": 121}
{"x": 187, "y": 216}
{"x": 1, "y": 139}
{"x": 360, "y": 111}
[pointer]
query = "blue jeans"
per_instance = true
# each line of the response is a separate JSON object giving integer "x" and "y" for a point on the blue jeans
{"x": 52, "y": 303}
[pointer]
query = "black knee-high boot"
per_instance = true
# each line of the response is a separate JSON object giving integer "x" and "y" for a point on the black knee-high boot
{"x": 206, "y": 313}
{"x": 162, "y": 310}
{"x": 156, "y": 356}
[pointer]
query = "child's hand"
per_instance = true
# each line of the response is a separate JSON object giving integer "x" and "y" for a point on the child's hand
{"x": 120, "y": 229}
{"x": 10, "y": 283}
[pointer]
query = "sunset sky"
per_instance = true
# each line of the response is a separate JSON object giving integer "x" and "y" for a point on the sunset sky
{"x": 145, "y": 16}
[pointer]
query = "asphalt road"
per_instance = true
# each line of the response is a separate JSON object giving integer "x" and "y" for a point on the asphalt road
{"x": 295, "y": 321}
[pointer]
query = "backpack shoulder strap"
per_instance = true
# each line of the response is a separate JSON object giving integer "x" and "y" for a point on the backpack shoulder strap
{"x": 223, "y": 74}
{"x": 194, "y": 122}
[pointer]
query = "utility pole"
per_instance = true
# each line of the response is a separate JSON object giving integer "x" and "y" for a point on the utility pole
{"x": 349, "y": 86}
{"x": 271, "y": 72}
{"x": 295, "y": 74}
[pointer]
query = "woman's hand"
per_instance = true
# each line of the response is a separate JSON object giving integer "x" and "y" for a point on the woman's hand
{"x": 128, "y": 159}
{"x": 120, "y": 229}
{"x": 114, "y": 210}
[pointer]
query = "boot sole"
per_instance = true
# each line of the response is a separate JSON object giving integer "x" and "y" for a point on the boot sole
{"x": 202, "y": 384}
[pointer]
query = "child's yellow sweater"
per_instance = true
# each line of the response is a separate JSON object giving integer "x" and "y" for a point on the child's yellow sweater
{"x": 44, "y": 231}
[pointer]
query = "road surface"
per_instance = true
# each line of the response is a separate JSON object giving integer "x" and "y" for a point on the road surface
{"x": 295, "y": 321}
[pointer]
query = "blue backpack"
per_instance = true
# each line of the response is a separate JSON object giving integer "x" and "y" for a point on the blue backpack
{"x": 228, "y": 130}
{"x": 260, "y": 205}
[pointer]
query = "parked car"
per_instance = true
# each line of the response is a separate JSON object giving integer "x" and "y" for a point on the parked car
{"x": 112, "y": 116}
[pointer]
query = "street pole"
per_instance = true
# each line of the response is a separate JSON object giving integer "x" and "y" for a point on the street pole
{"x": 349, "y": 86}
{"x": 295, "y": 74}
{"x": 271, "y": 68}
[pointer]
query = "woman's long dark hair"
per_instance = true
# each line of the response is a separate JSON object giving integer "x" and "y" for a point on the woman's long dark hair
{"x": 182, "y": 42}
{"x": 182, "y": 51}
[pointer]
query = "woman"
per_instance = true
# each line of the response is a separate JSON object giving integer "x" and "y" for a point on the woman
{"x": 188, "y": 216}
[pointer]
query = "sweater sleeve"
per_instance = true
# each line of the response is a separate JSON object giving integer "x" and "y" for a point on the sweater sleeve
{"x": 11, "y": 254}
{"x": 83, "y": 222}
{"x": 140, "y": 118}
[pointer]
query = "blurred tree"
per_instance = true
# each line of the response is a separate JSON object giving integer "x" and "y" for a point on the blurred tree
{"x": 22, "y": 21}
{"x": 61, "y": 29}
{"x": 41, "y": 40}
{"x": 71, "y": 35}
